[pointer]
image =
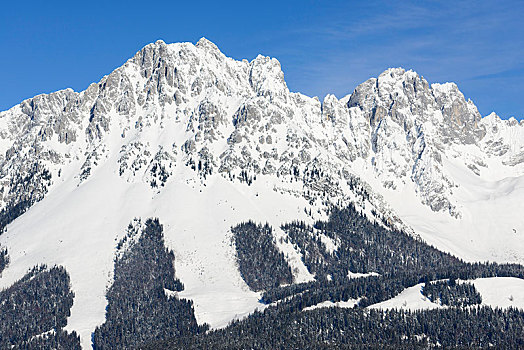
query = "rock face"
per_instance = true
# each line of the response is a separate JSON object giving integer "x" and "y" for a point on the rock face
{"x": 411, "y": 126}
{"x": 230, "y": 116}
{"x": 396, "y": 143}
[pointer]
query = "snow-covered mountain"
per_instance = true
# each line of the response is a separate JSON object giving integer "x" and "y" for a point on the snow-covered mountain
{"x": 201, "y": 141}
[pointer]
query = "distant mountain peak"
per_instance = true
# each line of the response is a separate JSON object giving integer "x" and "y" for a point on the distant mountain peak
{"x": 206, "y": 44}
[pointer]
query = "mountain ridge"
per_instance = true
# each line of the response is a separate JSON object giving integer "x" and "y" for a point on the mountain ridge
{"x": 202, "y": 141}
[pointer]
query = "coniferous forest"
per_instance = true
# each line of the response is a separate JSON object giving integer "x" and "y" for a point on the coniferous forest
{"x": 34, "y": 310}
{"x": 261, "y": 264}
{"x": 139, "y": 309}
{"x": 451, "y": 293}
{"x": 144, "y": 310}
{"x": 4, "y": 259}
{"x": 397, "y": 261}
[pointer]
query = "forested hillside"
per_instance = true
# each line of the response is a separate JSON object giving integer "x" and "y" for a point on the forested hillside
{"x": 142, "y": 301}
{"x": 35, "y": 309}
{"x": 387, "y": 261}
{"x": 261, "y": 264}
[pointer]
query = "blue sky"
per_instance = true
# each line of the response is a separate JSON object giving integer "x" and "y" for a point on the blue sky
{"x": 323, "y": 46}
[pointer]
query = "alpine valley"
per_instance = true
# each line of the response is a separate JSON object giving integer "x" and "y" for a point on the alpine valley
{"x": 190, "y": 200}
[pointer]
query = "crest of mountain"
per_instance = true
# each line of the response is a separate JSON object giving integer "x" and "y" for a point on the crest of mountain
{"x": 203, "y": 141}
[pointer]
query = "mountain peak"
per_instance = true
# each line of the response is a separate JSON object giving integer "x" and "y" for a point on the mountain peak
{"x": 393, "y": 86}
{"x": 207, "y": 45}
{"x": 267, "y": 77}
{"x": 397, "y": 71}
{"x": 447, "y": 87}
{"x": 399, "y": 74}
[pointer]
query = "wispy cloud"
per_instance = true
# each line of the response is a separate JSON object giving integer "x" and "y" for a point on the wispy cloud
{"x": 505, "y": 74}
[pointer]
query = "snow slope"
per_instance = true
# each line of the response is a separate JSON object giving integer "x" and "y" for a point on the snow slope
{"x": 501, "y": 292}
{"x": 343, "y": 304}
{"x": 410, "y": 299}
{"x": 196, "y": 219}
